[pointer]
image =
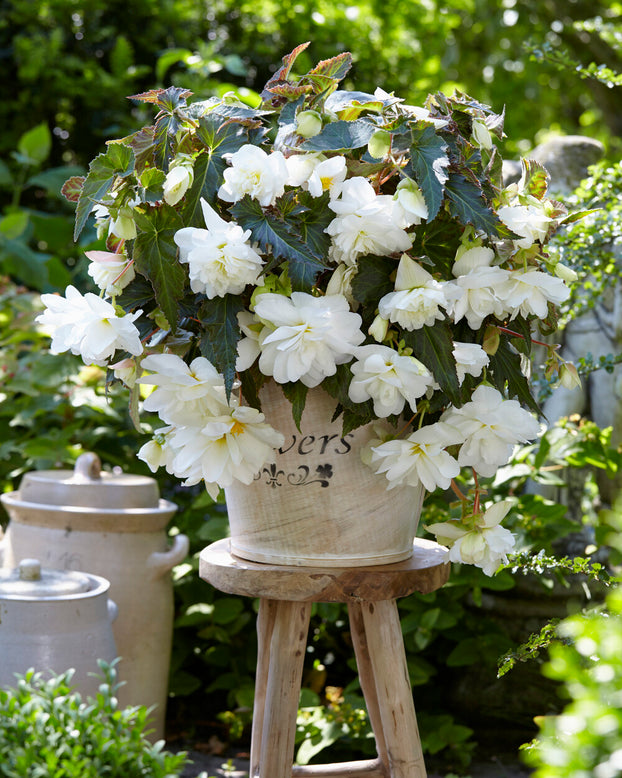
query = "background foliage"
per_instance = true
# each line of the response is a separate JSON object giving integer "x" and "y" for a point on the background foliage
{"x": 68, "y": 66}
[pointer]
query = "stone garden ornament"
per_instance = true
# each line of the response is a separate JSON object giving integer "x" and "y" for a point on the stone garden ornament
{"x": 332, "y": 277}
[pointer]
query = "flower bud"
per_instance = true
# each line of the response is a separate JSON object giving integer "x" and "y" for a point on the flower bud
{"x": 178, "y": 180}
{"x": 124, "y": 226}
{"x": 379, "y": 144}
{"x": 565, "y": 273}
{"x": 481, "y": 134}
{"x": 569, "y": 376}
{"x": 378, "y": 328}
{"x": 308, "y": 123}
{"x": 492, "y": 339}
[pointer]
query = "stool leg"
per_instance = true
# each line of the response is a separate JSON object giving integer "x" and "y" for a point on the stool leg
{"x": 366, "y": 678}
{"x": 393, "y": 690}
{"x": 287, "y": 645}
{"x": 265, "y": 627}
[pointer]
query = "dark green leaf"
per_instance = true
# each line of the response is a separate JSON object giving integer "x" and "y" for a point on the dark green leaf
{"x": 439, "y": 240}
{"x": 296, "y": 393}
{"x": 504, "y": 372}
{"x": 278, "y": 238}
{"x": 434, "y": 347}
{"x": 221, "y": 333}
{"x": 340, "y": 136}
{"x": 428, "y": 163}
{"x": 354, "y": 414}
{"x": 312, "y": 220}
{"x": 137, "y": 294}
{"x": 155, "y": 257}
{"x": 373, "y": 279}
{"x": 118, "y": 160}
{"x": 467, "y": 204}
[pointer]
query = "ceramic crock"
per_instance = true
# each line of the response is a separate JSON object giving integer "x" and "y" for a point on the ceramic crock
{"x": 113, "y": 525}
{"x": 53, "y": 620}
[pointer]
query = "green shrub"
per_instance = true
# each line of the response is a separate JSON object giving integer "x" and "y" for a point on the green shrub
{"x": 585, "y": 741}
{"x": 46, "y": 731}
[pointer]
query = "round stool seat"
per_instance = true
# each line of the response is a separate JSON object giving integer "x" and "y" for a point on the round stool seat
{"x": 425, "y": 571}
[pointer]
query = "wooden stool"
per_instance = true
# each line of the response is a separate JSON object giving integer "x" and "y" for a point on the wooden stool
{"x": 282, "y": 625}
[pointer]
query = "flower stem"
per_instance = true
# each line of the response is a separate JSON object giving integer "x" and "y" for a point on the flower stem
{"x": 551, "y": 347}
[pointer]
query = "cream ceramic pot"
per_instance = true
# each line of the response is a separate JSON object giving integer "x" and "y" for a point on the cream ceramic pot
{"x": 112, "y": 525}
{"x": 53, "y": 620}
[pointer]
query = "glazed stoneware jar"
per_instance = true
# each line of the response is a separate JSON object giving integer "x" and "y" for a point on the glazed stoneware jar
{"x": 53, "y": 620}
{"x": 112, "y": 525}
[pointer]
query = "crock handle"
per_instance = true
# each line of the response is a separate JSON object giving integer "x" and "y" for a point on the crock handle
{"x": 2, "y": 546}
{"x": 113, "y": 610}
{"x": 160, "y": 562}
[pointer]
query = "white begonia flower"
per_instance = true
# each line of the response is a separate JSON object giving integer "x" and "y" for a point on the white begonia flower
{"x": 111, "y": 272}
{"x": 316, "y": 173}
{"x": 255, "y": 173}
{"x": 566, "y": 273}
{"x": 157, "y": 452}
{"x": 476, "y": 287}
{"x": 178, "y": 179}
{"x": 300, "y": 167}
{"x": 366, "y": 223}
{"x": 481, "y": 134}
{"x": 417, "y": 299}
{"x": 528, "y": 292}
{"x": 305, "y": 337}
{"x": 125, "y": 371}
{"x": 489, "y": 426}
{"x": 485, "y": 545}
{"x": 420, "y": 458}
{"x": 388, "y": 378}
{"x": 412, "y": 202}
{"x": 220, "y": 259}
{"x": 340, "y": 281}
{"x": 528, "y": 221}
{"x": 184, "y": 393}
{"x": 232, "y": 446}
{"x": 88, "y": 326}
{"x": 327, "y": 176}
{"x": 248, "y": 346}
{"x": 470, "y": 358}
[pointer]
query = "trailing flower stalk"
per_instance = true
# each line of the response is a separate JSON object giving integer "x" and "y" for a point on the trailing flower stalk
{"x": 331, "y": 239}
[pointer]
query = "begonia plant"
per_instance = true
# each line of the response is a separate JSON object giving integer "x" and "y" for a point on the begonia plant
{"x": 327, "y": 238}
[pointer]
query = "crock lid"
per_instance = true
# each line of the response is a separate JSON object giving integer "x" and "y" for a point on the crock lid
{"x": 86, "y": 486}
{"x": 30, "y": 580}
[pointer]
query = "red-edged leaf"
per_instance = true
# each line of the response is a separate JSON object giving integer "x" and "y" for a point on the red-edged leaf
{"x": 289, "y": 90}
{"x": 147, "y": 97}
{"x": 336, "y": 67}
{"x": 72, "y": 187}
{"x": 283, "y": 72}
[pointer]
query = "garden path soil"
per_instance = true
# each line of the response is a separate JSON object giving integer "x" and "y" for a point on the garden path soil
{"x": 220, "y": 767}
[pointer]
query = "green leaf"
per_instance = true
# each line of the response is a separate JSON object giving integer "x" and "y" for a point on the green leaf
{"x": 296, "y": 393}
{"x": 373, "y": 279}
{"x": 221, "y": 332}
{"x": 468, "y": 205}
{"x": 504, "y": 371}
{"x": 72, "y": 187}
{"x": 35, "y": 145}
{"x": 118, "y": 160}
{"x": 219, "y": 138}
{"x": 428, "y": 160}
{"x": 335, "y": 68}
{"x": 283, "y": 72}
{"x": 535, "y": 178}
{"x": 438, "y": 240}
{"x": 434, "y": 347}
{"x": 341, "y": 136}
{"x": 155, "y": 257}
{"x": 311, "y": 217}
{"x": 6, "y": 179}
{"x": 279, "y": 238}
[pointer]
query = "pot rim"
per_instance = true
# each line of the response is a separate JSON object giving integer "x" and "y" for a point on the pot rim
{"x": 12, "y": 499}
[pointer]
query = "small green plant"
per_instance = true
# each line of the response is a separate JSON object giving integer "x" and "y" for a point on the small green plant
{"x": 46, "y": 729}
